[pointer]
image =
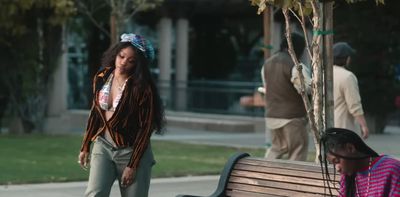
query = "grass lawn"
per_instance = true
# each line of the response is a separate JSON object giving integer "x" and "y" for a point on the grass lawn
{"x": 43, "y": 158}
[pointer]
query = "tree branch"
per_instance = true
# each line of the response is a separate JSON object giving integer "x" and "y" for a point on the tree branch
{"x": 111, "y": 3}
{"x": 134, "y": 11}
{"x": 82, "y": 8}
{"x": 303, "y": 94}
{"x": 303, "y": 26}
{"x": 125, "y": 4}
{"x": 98, "y": 7}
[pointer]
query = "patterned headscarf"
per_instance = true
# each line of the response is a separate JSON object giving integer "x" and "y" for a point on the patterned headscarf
{"x": 140, "y": 43}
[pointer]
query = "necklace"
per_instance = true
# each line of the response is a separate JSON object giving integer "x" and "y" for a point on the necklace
{"x": 120, "y": 85}
{"x": 368, "y": 181}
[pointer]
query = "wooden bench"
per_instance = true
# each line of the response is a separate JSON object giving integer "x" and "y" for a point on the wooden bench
{"x": 245, "y": 176}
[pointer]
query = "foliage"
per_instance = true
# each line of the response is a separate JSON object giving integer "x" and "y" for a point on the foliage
{"x": 287, "y": 4}
{"x": 30, "y": 34}
{"x": 13, "y": 13}
{"x": 294, "y": 4}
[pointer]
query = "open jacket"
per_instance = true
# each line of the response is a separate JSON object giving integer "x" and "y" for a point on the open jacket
{"x": 131, "y": 123}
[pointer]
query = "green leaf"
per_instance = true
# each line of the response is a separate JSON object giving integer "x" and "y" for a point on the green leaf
{"x": 288, "y": 4}
{"x": 380, "y": 2}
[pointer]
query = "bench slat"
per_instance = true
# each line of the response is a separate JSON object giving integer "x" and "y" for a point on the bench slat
{"x": 295, "y": 165}
{"x": 273, "y": 177}
{"x": 277, "y": 184}
{"x": 279, "y": 171}
{"x": 238, "y": 193}
{"x": 274, "y": 191}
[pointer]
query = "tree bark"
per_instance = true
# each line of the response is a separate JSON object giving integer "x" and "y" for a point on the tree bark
{"x": 113, "y": 28}
{"x": 267, "y": 15}
{"x": 328, "y": 64}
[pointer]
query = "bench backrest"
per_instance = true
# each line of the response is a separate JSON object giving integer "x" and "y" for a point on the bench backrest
{"x": 256, "y": 177}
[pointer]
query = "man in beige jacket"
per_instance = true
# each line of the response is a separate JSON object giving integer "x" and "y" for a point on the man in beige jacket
{"x": 347, "y": 101}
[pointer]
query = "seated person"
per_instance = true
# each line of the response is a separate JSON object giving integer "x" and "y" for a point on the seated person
{"x": 364, "y": 173}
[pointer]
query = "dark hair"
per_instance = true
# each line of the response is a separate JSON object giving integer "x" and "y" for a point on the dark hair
{"x": 108, "y": 59}
{"x": 298, "y": 44}
{"x": 142, "y": 77}
{"x": 340, "y": 61}
{"x": 336, "y": 138}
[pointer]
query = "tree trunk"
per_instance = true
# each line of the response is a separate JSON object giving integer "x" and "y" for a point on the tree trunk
{"x": 328, "y": 65}
{"x": 317, "y": 76}
{"x": 267, "y": 15}
{"x": 113, "y": 28}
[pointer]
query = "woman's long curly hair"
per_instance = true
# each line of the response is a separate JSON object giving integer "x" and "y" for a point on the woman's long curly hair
{"x": 334, "y": 139}
{"x": 142, "y": 77}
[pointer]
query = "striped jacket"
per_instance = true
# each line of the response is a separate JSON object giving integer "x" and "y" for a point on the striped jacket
{"x": 384, "y": 179}
{"x": 131, "y": 123}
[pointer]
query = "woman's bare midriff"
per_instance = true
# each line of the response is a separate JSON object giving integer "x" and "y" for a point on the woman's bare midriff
{"x": 107, "y": 135}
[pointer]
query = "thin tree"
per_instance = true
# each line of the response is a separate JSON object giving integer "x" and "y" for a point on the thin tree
{"x": 310, "y": 11}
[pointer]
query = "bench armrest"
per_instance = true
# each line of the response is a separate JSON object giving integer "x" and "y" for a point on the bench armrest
{"x": 224, "y": 178}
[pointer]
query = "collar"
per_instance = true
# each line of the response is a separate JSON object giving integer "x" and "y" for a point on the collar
{"x": 104, "y": 72}
{"x": 376, "y": 159}
{"x": 101, "y": 77}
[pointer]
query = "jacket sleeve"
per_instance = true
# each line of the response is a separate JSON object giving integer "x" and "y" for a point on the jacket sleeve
{"x": 92, "y": 122}
{"x": 92, "y": 125}
{"x": 145, "y": 128}
{"x": 352, "y": 96}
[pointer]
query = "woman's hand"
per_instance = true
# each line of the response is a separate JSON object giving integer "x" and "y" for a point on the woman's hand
{"x": 128, "y": 176}
{"x": 83, "y": 160}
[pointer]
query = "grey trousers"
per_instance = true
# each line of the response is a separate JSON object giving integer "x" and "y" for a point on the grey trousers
{"x": 107, "y": 164}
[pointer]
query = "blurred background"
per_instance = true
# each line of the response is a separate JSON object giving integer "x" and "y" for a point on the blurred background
{"x": 209, "y": 56}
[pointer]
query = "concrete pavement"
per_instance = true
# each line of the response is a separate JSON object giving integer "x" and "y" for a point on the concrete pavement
{"x": 387, "y": 143}
{"x": 161, "y": 187}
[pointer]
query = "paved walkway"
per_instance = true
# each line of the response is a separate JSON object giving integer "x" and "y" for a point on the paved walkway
{"x": 162, "y": 187}
{"x": 387, "y": 143}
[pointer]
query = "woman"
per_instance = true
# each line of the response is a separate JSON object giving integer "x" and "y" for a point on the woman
{"x": 126, "y": 109}
{"x": 364, "y": 173}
